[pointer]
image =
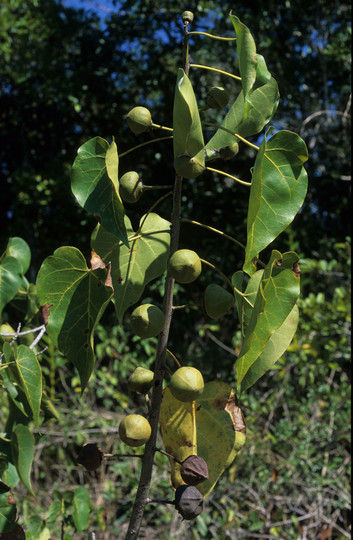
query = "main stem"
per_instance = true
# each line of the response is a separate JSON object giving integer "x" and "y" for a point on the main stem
{"x": 141, "y": 498}
{"x": 159, "y": 369}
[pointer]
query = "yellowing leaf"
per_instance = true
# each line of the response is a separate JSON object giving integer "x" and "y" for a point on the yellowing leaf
{"x": 212, "y": 427}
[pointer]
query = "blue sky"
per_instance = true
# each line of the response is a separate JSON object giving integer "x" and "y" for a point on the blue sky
{"x": 101, "y": 7}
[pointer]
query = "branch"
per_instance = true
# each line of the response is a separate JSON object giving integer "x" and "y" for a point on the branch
{"x": 141, "y": 498}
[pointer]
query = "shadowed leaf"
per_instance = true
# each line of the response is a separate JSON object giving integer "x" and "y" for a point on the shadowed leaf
{"x": 133, "y": 267}
{"x": 278, "y": 292}
{"x": 94, "y": 182}
{"x": 278, "y": 188}
{"x": 78, "y": 297}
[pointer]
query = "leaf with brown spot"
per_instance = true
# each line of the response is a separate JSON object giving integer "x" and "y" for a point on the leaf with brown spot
{"x": 211, "y": 427}
{"x": 78, "y": 298}
{"x": 45, "y": 311}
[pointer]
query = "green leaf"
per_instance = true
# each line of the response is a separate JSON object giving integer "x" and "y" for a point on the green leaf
{"x": 77, "y": 297}
{"x": 246, "y": 117}
{"x": 7, "y": 513}
{"x": 278, "y": 188}
{"x": 277, "y": 294}
{"x": 274, "y": 349}
{"x": 31, "y": 379}
{"x": 95, "y": 188}
{"x": 112, "y": 166}
{"x": 135, "y": 266}
{"x": 19, "y": 250}
{"x": 82, "y": 506}
{"x": 260, "y": 106}
{"x": 212, "y": 427}
{"x": 23, "y": 451}
{"x": 246, "y": 50}
{"x": 243, "y": 307}
{"x": 187, "y": 129}
{"x": 54, "y": 512}
{"x": 10, "y": 280}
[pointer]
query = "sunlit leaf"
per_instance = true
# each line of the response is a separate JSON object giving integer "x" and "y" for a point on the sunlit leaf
{"x": 248, "y": 116}
{"x": 19, "y": 250}
{"x": 246, "y": 50}
{"x": 244, "y": 308}
{"x": 276, "y": 346}
{"x": 23, "y": 451}
{"x": 212, "y": 427}
{"x": 133, "y": 267}
{"x": 77, "y": 297}
{"x": 279, "y": 185}
{"x": 30, "y": 375}
{"x": 277, "y": 294}
{"x": 96, "y": 188}
{"x": 187, "y": 130}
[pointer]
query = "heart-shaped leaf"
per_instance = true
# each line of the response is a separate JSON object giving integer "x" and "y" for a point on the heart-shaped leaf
{"x": 277, "y": 344}
{"x": 187, "y": 129}
{"x": 212, "y": 427}
{"x": 94, "y": 182}
{"x": 22, "y": 445}
{"x": 77, "y": 297}
{"x": 278, "y": 188}
{"x": 133, "y": 267}
{"x": 277, "y": 294}
{"x": 30, "y": 375}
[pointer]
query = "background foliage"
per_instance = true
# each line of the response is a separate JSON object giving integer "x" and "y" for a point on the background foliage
{"x": 68, "y": 75}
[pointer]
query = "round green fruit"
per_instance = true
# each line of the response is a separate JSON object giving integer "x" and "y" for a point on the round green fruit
{"x": 217, "y": 97}
{"x": 141, "y": 380}
{"x": 186, "y": 384}
{"x": 187, "y": 17}
{"x": 185, "y": 266}
{"x": 147, "y": 321}
{"x": 139, "y": 120}
{"x": 134, "y": 430}
{"x": 6, "y": 328}
{"x": 217, "y": 301}
{"x": 188, "y": 166}
{"x": 131, "y": 187}
{"x": 228, "y": 152}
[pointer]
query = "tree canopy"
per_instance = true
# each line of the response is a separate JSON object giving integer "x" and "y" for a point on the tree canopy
{"x": 66, "y": 77}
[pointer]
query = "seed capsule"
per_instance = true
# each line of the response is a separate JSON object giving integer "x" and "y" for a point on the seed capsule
{"x": 185, "y": 266}
{"x": 186, "y": 384}
{"x": 228, "y": 152}
{"x": 217, "y": 301}
{"x": 131, "y": 187}
{"x": 139, "y": 120}
{"x": 134, "y": 430}
{"x": 187, "y": 17}
{"x": 188, "y": 501}
{"x": 147, "y": 321}
{"x": 217, "y": 97}
{"x": 188, "y": 166}
{"x": 141, "y": 380}
{"x": 194, "y": 470}
{"x": 90, "y": 456}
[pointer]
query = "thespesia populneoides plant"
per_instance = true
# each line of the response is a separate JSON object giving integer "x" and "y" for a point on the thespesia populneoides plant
{"x": 264, "y": 293}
